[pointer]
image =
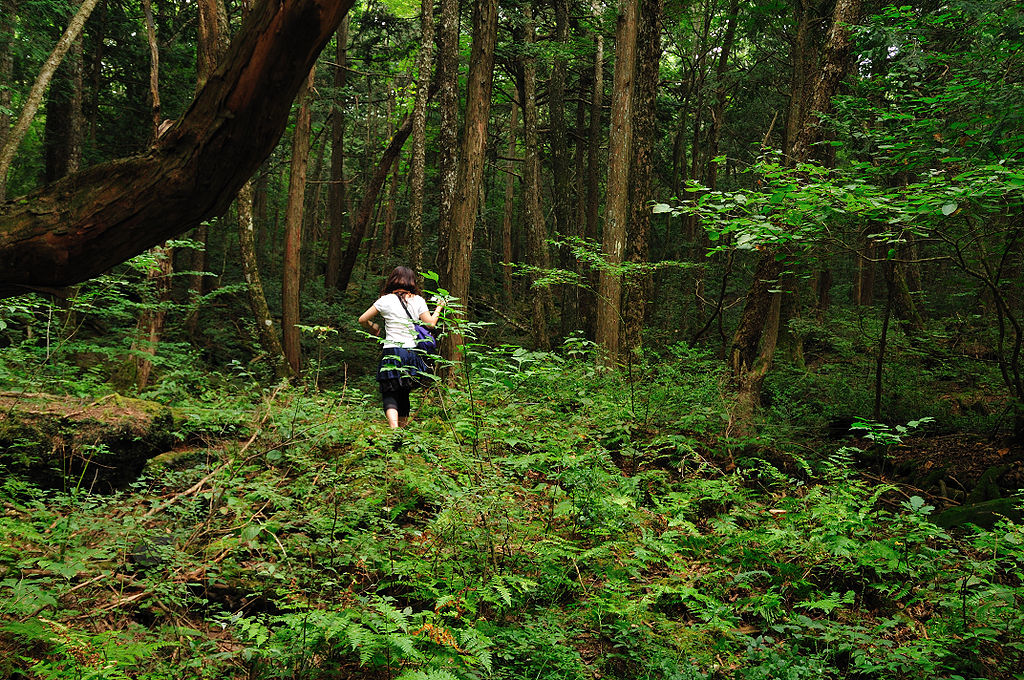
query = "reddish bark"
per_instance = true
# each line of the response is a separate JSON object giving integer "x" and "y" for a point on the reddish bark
{"x": 85, "y": 223}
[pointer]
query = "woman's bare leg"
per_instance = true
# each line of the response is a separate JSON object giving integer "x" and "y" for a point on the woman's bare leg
{"x": 392, "y": 416}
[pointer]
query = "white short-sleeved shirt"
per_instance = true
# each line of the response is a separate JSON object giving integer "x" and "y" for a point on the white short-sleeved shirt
{"x": 397, "y": 325}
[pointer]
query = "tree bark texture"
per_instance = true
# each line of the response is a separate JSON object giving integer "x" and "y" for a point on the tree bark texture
{"x": 593, "y": 197}
{"x": 645, "y": 92}
{"x": 85, "y": 223}
{"x": 369, "y": 201}
{"x": 291, "y": 280}
{"x": 509, "y": 210}
{"x": 447, "y": 134}
{"x": 417, "y": 170}
{"x": 254, "y": 284}
{"x": 338, "y": 193}
{"x": 536, "y": 228}
{"x": 718, "y": 113}
{"x": 471, "y": 156}
{"x": 63, "y": 133}
{"x": 620, "y": 144}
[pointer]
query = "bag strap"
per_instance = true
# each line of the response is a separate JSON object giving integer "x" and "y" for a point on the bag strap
{"x": 400, "y": 300}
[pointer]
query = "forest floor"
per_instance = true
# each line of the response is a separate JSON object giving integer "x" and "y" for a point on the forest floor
{"x": 541, "y": 521}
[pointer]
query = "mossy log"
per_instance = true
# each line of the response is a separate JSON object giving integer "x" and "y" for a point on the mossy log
{"x": 64, "y": 443}
{"x": 984, "y": 514}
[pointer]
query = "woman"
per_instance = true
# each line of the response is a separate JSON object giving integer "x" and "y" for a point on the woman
{"x": 400, "y": 302}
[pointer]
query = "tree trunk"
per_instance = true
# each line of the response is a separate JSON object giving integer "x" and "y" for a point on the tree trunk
{"x": 87, "y": 222}
{"x": 536, "y": 229}
{"x": 509, "y": 211}
{"x": 718, "y": 113}
{"x": 864, "y": 285}
{"x": 759, "y": 300}
{"x": 254, "y": 285}
{"x": 424, "y": 64}
{"x": 574, "y": 294}
{"x": 212, "y": 45}
{"x": 560, "y": 196}
{"x": 471, "y": 157}
{"x": 447, "y": 134}
{"x": 620, "y": 144}
{"x": 151, "y": 321}
{"x": 336, "y": 196}
{"x": 64, "y": 125}
{"x": 589, "y": 298}
{"x": 35, "y": 95}
{"x": 389, "y": 213}
{"x": 645, "y": 92}
{"x": 370, "y": 193}
{"x": 290, "y": 284}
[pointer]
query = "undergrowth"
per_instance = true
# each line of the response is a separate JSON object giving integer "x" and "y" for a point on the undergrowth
{"x": 554, "y": 521}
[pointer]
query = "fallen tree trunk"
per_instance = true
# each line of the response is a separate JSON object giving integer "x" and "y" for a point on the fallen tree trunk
{"x": 85, "y": 223}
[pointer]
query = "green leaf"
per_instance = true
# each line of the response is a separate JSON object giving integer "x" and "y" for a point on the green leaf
{"x": 949, "y": 208}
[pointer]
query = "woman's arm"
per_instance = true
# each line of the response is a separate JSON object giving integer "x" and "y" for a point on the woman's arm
{"x": 431, "y": 319}
{"x": 364, "y": 321}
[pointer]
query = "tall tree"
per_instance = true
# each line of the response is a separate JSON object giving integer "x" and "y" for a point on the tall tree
{"x": 593, "y": 198}
{"x": 536, "y": 229}
{"x": 213, "y": 41}
{"x": 424, "y": 63}
{"x": 447, "y": 134}
{"x": 337, "y": 196}
{"x": 264, "y": 323}
{"x": 620, "y": 144}
{"x": 151, "y": 321}
{"x": 471, "y": 155}
{"x": 645, "y": 93}
{"x": 291, "y": 283}
{"x": 509, "y": 209}
{"x": 753, "y": 344}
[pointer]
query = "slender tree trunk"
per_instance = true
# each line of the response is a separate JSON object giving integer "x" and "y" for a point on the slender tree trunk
{"x": 639, "y": 286}
{"x": 471, "y": 157}
{"x": 424, "y": 64}
{"x": 151, "y": 320}
{"x": 574, "y": 295}
{"x": 290, "y": 285}
{"x": 366, "y": 206}
{"x": 589, "y": 301}
{"x": 718, "y": 114}
{"x": 507, "y": 216}
{"x": 560, "y": 198}
{"x": 864, "y": 285}
{"x": 390, "y": 212}
{"x": 312, "y": 222}
{"x": 35, "y": 95}
{"x": 337, "y": 194}
{"x": 620, "y": 144}
{"x": 254, "y": 285}
{"x": 536, "y": 229}
{"x": 63, "y": 134}
{"x": 212, "y": 44}
{"x": 447, "y": 136}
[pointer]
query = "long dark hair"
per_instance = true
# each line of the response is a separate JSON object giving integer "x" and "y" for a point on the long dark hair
{"x": 402, "y": 280}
